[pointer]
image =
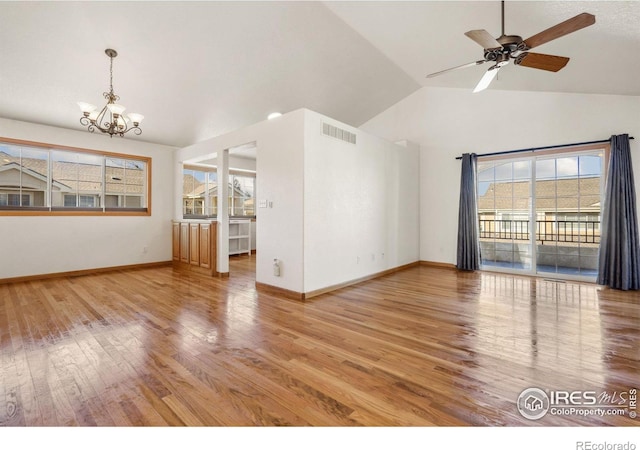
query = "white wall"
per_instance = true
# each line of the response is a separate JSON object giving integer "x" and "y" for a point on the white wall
{"x": 331, "y": 202}
{"x": 47, "y": 244}
{"x": 448, "y": 122}
{"x": 279, "y": 179}
{"x": 361, "y": 205}
{"x": 239, "y": 163}
{"x": 235, "y": 162}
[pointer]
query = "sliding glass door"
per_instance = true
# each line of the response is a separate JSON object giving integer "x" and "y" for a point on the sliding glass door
{"x": 504, "y": 210}
{"x": 541, "y": 214}
{"x": 568, "y": 200}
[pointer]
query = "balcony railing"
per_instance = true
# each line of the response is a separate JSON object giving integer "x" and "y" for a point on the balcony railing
{"x": 546, "y": 230}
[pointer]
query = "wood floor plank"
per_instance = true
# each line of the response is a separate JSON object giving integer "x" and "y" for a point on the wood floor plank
{"x": 420, "y": 347}
{"x": 181, "y": 411}
{"x": 315, "y": 406}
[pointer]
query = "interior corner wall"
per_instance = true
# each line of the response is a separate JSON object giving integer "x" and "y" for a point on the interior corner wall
{"x": 39, "y": 245}
{"x": 279, "y": 183}
{"x": 361, "y": 205}
{"x": 447, "y": 122}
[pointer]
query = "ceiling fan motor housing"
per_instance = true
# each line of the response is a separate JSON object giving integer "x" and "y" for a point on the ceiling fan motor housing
{"x": 510, "y": 42}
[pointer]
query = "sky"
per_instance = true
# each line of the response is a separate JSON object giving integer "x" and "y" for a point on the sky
{"x": 545, "y": 169}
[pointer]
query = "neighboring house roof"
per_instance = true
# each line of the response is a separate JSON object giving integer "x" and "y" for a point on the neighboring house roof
{"x": 551, "y": 195}
{"x": 80, "y": 177}
{"x": 194, "y": 188}
{"x": 190, "y": 184}
{"x": 31, "y": 173}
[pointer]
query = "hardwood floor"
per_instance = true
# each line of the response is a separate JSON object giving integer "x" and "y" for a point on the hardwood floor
{"x": 424, "y": 346}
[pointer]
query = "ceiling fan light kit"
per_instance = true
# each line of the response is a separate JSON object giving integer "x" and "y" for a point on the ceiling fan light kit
{"x": 111, "y": 118}
{"x": 506, "y": 48}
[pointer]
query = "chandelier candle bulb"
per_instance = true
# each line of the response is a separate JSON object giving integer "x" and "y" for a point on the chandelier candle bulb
{"x": 110, "y": 119}
{"x": 87, "y": 108}
{"x": 135, "y": 118}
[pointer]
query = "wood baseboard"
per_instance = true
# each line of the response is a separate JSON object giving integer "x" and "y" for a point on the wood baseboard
{"x": 359, "y": 280}
{"x": 79, "y": 273}
{"x": 439, "y": 265}
{"x": 279, "y": 292}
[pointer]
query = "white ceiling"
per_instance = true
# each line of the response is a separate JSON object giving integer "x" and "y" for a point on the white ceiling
{"x": 200, "y": 69}
{"x": 426, "y": 37}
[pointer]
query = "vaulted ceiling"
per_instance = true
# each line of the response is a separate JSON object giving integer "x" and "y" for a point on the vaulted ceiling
{"x": 200, "y": 69}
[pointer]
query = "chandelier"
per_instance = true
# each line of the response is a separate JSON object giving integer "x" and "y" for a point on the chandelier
{"x": 110, "y": 119}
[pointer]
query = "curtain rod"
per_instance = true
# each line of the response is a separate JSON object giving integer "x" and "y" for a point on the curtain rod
{"x": 533, "y": 149}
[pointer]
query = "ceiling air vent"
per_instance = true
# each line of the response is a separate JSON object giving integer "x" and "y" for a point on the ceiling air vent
{"x": 338, "y": 133}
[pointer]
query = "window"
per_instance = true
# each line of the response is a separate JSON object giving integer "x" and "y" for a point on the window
{"x": 242, "y": 195}
{"x": 200, "y": 194}
{"x": 23, "y": 177}
{"x": 198, "y": 189}
{"x": 541, "y": 213}
{"x": 75, "y": 175}
{"x": 81, "y": 201}
{"x": 125, "y": 183}
{"x": 15, "y": 200}
{"x": 43, "y": 179}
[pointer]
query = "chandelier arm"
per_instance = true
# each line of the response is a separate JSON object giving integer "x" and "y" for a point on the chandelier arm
{"x": 91, "y": 126}
{"x": 100, "y": 121}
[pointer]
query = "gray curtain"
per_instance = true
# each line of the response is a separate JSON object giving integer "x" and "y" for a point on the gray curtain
{"x": 468, "y": 242}
{"x": 619, "y": 258}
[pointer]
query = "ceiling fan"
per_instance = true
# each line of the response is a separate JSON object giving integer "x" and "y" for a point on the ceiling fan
{"x": 505, "y": 48}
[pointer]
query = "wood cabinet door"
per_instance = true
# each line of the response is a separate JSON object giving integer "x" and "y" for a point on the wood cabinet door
{"x": 184, "y": 242}
{"x": 194, "y": 244}
{"x": 205, "y": 245}
{"x": 176, "y": 242}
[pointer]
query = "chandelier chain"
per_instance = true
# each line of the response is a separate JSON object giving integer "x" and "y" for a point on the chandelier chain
{"x": 111, "y": 74}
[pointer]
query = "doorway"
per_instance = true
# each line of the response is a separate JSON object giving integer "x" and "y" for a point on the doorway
{"x": 201, "y": 199}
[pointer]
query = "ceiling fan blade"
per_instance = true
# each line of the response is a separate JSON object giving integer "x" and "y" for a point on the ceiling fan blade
{"x": 568, "y": 26}
{"x": 486, "y": 79}
{"x": 483, "y": 38}
{"x": 471, "y": 64}
{"x": 551, "y": 63}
